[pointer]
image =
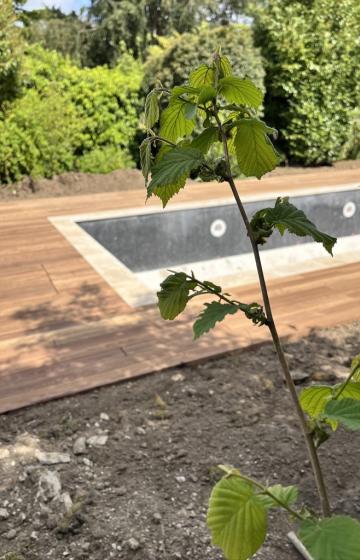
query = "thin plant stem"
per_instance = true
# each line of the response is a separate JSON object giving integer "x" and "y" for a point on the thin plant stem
{"x": 346, "y": 383}
{"x": 312, "y": 452}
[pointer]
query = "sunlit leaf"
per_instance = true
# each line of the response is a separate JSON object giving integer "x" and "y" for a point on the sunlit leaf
{"x": 313, "y": 399}
{"x": 241, "y": 91}
{"x": 207, "y": 93}
{"x": 173, "y": 121}
{"x": 145, "y": 159}
{"x": 202, "y": 76}
{"x": 237, "y": 519}
{"x": 334, "y": 538}
{"x": 152, "y": 111}
{"x": 170, "y": 173}
{"x": 254, "y": 151}
{"x": 287, "y": 495}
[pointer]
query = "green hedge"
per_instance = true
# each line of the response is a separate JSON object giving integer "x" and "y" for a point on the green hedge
{"x": 312, "y": 53}
{"x": 10, "y": 52}
{"x": 172, "y": 60}
{"x": 69, "y": 118}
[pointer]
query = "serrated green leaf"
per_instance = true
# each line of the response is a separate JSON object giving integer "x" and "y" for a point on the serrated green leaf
{"x": 170, "y": 173}
{"x": 346, "y": 411}
{"x": 174, "y": 294}
{"x": 207, "y": 93}
{"x": 241, "y": 91}
{"x": 173, "y": 122}
{"x": 334, "y": 538}
{"x": 213, "y": 313}
{"x": 355, "y": 366}
{"x": 152, "y": 111}
{"x": 236, "y": 518}
{"x": 225, "y": 66}
{"x": 181, "y": 90}
{"x": 204, "y": 141}
{"x": 314, "y": 399}
{"x": 351, "y": 390}
{"x": 202, "y": 76}
{"x": 287, "y": 495}
{"x": 254, "y": 151}
{"x": 145, "y": 159}
{"x": 285, "y": 216}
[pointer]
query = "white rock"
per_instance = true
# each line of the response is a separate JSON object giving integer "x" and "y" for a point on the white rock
{"x": 104, "y": 416}
{"x": 180, "y": 479}
{"x": 52, "y": 458}
{"x": 98, "y": 440}
{"x": 79, "y": 447}
{"x": 4, "y": 514}
{"x": 67, "y": 501}
{"x": 133, "y": 544}
{"x": 178, "y": 377}
{"x": 49, "y": 486}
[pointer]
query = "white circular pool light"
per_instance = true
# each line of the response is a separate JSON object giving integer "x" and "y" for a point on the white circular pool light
{"x": 349, "y": 209}
{"x": 218, "y": 228}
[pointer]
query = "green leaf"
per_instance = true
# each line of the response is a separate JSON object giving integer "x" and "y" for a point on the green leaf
{"x": 334, "y": 538}
{"x": 207, "y": 93}
{"x": 170, "y": 173}
{"x": 202, "y": 76}
{"x": 145, "y": 159}
{"x": 314, "y": 399}
{"x": 285, "y": 216}
{"x": 204, "y": 141}
{"x": 152, "y": 111}
{"x": 225, "y": 66}
{"x": 214, "y": 312}
{"x": 237, "y": 519}
{"x": 351, "y": 391}
{"x": 241, "y": 91}
{"x": 287, "y": 495}
{"x": 345, "y": 411}
{"x": 173, "y": 122}
{"x": 181, "y": 90}
{"x": 174, "y": 294}
{"x": 355, "y": 366}
{"x": 254, "y": 151}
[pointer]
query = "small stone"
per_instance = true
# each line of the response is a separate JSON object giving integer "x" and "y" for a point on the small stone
{"x": 140, "y": 431}
{"x": 87, "y": 462}
{"x": 79, "y": 447}
{"x": 324, "y": 375}
{"x": 49, "y": 486}
{"x": 298, "y": 375}
{"x": 67, "y": 501}
{"x": 133, "y": 544}
{"x": 34, "y": 536}
{"x": 10, "y": 535}
{"x": 4, "y": 514}
{"x": 105, "y": 417}
{"x": 178, "y": 377}
{"x": 180, "y": 479}
{"x": 157, "y": 517}
{"x": 98, "y": 440}
{"x": 121, "y": 491}
{"x": 54, "y": 458}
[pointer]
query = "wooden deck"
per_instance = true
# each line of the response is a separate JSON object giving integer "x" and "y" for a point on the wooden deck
{"x": 64, "y": 330}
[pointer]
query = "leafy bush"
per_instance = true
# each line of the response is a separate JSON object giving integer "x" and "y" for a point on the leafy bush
{"x": 312, "y": 53}
{"x": 172, "y": 60}
{"x": 68, "y": 116}
{"x": 10, "y": 52}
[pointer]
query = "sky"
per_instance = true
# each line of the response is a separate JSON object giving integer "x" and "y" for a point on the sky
{"x": 66, "y": 6}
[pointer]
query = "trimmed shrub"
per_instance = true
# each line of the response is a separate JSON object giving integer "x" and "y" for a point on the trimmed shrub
{"x": 172, "y": 60}
{"x": 67, "y": 116}
{"x": 10, "y": 52}
{"x": 312, "y": 52}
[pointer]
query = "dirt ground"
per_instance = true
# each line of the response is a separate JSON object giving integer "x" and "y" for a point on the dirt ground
{"x": 125, "y": 471}
{"x": 70, "y": 184}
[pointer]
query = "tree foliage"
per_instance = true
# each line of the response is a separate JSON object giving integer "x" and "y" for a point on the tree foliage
{"x": 312, "y": 54}
{"x": 10, "y": 52}
{"x": 69, "y": 118}
{"x": 172, "y": 59}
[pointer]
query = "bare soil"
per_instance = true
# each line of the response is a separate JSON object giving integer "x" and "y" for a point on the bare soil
{"x": 69, "y": 184}
{"x": 134, "y": 462}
